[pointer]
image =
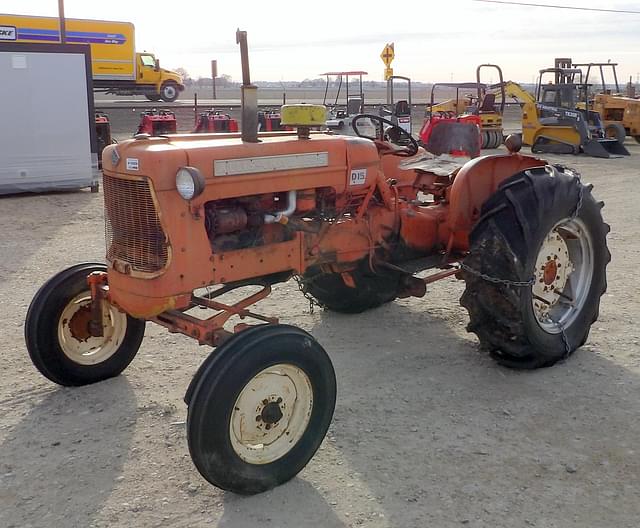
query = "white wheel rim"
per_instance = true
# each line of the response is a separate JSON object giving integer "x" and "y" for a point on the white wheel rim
{"x": 271, "y": 414}
{"x": 563, "y": 275}
{"x": 75, "y": 339}
{"x": 169, "y": 92}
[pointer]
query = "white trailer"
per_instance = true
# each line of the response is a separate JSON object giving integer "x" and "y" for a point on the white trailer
{"x": 46, "y": 143}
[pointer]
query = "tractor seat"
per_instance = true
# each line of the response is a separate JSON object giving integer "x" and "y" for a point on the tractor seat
{"x": 402, "y": 108}
{"x": 458, "y": 138}
{"x": 488, "y": 103}
{"x": 354, "y": 105}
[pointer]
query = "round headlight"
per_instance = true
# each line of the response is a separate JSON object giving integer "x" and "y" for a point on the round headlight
{"x": 189, "y": 182}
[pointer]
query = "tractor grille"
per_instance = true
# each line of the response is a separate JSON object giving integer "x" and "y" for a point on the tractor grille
{"x": 133, "y": 231}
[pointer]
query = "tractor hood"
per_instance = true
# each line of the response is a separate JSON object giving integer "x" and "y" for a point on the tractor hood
{"x": 227, "y": 164}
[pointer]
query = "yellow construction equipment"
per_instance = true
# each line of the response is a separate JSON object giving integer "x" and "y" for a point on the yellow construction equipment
{"x": 475, "y": 99}
{"x": 620, "y": 113}
{"x": 552, "y": 121}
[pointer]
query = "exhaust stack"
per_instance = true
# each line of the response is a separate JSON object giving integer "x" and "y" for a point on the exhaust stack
{"x": 249, "y": 94}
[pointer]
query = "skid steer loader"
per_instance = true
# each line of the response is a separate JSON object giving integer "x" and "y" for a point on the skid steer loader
{"x": 553, "y": 122}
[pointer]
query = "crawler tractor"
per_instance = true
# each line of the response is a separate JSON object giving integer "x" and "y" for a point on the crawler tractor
{"x": 192, "y": 218}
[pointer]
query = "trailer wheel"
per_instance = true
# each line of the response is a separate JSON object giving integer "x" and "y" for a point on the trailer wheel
{"x": 615, "y": 131}
{"x": 331, "y": 291}
{"x": 169, "y": 92}
{"x": 260, "y": 408}
{"x": 528, "y": 231}
{"x": 58, "y": 338}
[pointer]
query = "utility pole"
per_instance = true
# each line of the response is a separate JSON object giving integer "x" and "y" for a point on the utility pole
{"x": 214, "y": 74}
{"x": 63, "y": 31}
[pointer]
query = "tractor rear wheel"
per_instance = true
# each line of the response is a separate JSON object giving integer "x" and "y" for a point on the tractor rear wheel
{"x": 331, "y": 292}
{"x": 615, "y": 131}
{"x": 260, "y": 408}
{"x": 59, "y": 339}
{"x": 536, "y": 268}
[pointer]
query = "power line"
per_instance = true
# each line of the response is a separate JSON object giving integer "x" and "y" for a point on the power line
{"x": 557, "y": 6}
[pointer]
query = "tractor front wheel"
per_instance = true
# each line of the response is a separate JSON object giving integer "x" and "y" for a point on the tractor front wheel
{"x": 536, "y": 268}
{"x": 58, "y": 335}
{"x": 151, "y": 96}
{"x": 368, "y": 289}
{"x": 259, "y": 408}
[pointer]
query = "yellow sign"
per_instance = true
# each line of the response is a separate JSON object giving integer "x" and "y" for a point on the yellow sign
{"x": 387, "y": 54}
{"x": 388, "y": 72}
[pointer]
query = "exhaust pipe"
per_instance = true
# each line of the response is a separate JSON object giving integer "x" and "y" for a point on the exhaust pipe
{"x": 249, "y": 94}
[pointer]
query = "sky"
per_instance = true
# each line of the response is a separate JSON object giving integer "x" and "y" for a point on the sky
{"x": 434, "y": 40}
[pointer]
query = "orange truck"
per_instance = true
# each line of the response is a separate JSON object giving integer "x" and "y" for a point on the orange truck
{"x": 116, "y": 66}
{"x": 192, "y": 218}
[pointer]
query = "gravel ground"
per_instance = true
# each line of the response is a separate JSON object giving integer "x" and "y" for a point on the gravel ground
{"x": 428, "y": 431}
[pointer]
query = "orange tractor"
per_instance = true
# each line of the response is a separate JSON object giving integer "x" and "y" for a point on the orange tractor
{"x": 192, "y": 218}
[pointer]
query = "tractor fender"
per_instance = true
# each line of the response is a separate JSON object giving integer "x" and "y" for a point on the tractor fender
{"x": 475, "y": 182}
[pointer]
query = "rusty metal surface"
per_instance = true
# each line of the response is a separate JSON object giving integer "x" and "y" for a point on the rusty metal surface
{"x": 442, "y": 165}
{"x": 134, "y": 235}
{"x": 211, "y": 330}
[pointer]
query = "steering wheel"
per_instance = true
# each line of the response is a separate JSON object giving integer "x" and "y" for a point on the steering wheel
{"x": 387, "y": 132}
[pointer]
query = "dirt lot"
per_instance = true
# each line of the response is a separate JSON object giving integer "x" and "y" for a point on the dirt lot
{"x": 428, "y": 431}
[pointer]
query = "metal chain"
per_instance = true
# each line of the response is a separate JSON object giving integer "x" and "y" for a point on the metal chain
{"x": 302, "y": 287}
{"x": 497, "y": 280}
{"x": 565, "y": 340}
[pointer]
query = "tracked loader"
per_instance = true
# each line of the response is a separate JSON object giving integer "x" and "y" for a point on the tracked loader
{"x": 553, "y": 122}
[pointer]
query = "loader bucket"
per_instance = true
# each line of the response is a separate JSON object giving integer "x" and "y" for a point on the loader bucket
{"x": 603, "y": 148}
{"x": 613, "y": 146}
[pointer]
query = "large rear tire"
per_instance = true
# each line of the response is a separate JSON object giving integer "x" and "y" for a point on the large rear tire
{"x": 260, "y": 408}
{"x": 58, "y": 338}
{"x": 529, "y": 231}
{"x": 331, "y": 291}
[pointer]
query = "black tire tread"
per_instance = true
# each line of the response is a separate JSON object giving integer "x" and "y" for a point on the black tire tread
{"x": 501, "y": 245}
{"x": 207, "y": 439}
{"x": 619, "y": 133}
{"x": 43, "y": 349}
{"x": 330, "y": 291}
